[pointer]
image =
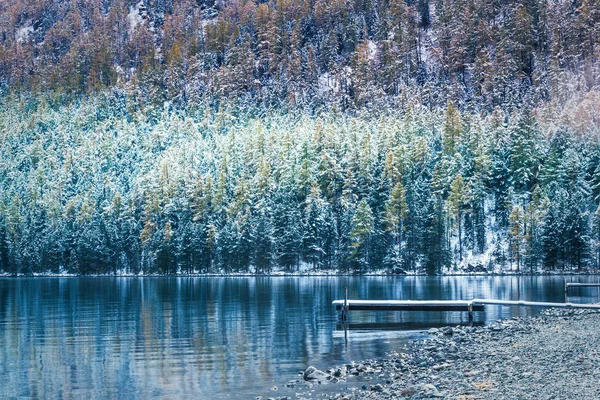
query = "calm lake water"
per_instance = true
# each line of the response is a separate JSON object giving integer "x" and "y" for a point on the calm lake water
{"x": 217, "y": 338}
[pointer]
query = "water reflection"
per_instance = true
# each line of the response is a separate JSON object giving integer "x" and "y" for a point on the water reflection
{"x": 215, "y": 337}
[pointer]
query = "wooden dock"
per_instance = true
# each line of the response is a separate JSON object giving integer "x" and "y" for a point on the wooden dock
{"x": 407, "y": 305}
{"x": 469, "y": 306}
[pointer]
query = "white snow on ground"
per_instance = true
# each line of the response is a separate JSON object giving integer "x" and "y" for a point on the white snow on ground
{"x": 22, "y": 34}
{"x": 274, "y": 273}
{"x": 372, "y": 49}
{"x": 209, "y": 21}
{"x": 135, "y": 17}
{"x": 326, "y": 83}
{"x": 330, "y": 83}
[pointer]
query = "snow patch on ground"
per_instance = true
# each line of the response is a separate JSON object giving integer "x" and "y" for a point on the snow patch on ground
{"x": 285, "y": 273}
{"x": 136, "y": 15}
{"x": 372, "y": 49}
{"x": 22, "y": 34}
{"x": 208, "y": 21}
{"x": 332, "y": 83}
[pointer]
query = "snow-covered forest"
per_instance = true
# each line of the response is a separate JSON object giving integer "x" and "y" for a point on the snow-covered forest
{"x": 236, "y": 136}
{"x": 90, "y": 188}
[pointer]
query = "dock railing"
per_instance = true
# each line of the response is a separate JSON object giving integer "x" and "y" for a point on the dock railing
{"x": 578, "y": 285}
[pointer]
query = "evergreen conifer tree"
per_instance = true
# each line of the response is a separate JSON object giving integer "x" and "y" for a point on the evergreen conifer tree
{"x": 362, "y": 229}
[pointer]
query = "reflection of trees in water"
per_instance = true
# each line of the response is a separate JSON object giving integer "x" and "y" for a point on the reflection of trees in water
{"x": 130, "y": 337}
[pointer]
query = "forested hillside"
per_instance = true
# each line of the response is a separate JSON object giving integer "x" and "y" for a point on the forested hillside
{"x": 227, "y": 136}
{"x": 477, "y": 53}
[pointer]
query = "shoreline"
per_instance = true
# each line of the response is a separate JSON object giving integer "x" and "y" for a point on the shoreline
{"x": 292, "y": 275}
{"x": 551, "y": 356}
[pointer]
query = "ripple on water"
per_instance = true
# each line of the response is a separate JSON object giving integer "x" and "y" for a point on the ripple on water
{"x": 215, "y": 338}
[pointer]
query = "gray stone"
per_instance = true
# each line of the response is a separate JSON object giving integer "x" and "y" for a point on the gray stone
{"x": 409, "y": 391}
{"x": 430, "y": 390}
{"x": 448, "y": 331}
{"x": 313, "y": 374}
{"x": 377, "y": 388}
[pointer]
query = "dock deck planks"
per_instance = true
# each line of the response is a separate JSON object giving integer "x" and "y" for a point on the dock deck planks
{"x": 407, "y": 305}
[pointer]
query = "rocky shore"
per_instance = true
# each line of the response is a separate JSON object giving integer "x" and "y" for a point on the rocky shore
{"x": 553, "y": 356}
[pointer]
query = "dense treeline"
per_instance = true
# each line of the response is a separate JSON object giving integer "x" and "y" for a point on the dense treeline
{"x": 93, "y": 187}
{"x": 477, "y": 53}
{"x": 209, "y": 135}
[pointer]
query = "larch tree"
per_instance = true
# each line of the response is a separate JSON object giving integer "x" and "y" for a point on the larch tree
{"x": 516, "y": 235}
{"x": 362, "y": 229}
{"x": 459, "y": 200}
